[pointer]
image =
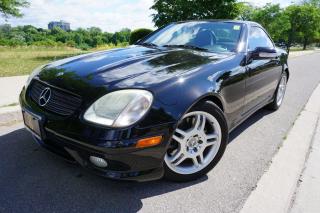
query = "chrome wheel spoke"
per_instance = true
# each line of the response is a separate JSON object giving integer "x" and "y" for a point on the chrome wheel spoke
{"x": 200, "y": 123}
{"x": 198, "y": 160}
{"x": 176, "y": 155}
{"x": 211, "y": 139}
{"x": 179, "y": 160}
{"x": 195, "y": 161}
{"x": 210, "y": 143}
{"x": 181, "y": 132}
{"x": 201, "y": 159}
{"x": 176, "y": 138}
{"x": 212, "y": 136}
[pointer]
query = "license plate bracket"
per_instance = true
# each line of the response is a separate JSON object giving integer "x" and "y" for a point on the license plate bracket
{"x": 33, "y": 123}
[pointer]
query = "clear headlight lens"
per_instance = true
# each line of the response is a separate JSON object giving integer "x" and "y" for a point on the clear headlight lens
{"x": 120, "y": 108}
{"x": 34, "y": 73}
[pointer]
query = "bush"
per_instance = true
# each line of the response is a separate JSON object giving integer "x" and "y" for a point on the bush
{"x": 139, "y": 34}
{"x": 4, "y": 42}
{"x": 71, "y": 43}
{"x": 83, "y": 46}
{"x": 110, "y": 46}
{"x": 80, "y": 38}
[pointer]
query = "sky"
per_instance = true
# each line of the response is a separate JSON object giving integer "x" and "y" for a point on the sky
{"x": 109, "y": 15}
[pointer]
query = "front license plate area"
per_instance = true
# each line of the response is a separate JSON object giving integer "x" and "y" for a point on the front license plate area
{"x": 32, "y": 122}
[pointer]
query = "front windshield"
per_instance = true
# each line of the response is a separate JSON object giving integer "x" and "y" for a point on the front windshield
{"x": 211, "y": 36}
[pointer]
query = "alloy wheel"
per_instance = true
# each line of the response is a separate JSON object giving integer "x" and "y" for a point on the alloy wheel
{"x": 195, "y": 143}
{"x": 281, "y": 90}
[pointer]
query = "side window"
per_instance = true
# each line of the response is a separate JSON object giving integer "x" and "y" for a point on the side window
{"x": 258, "y": 38}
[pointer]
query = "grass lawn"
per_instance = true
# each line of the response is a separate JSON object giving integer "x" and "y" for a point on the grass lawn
{"x": 22, "y": 60}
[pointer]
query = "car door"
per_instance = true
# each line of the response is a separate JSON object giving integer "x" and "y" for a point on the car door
{"x": 263, "y": 73}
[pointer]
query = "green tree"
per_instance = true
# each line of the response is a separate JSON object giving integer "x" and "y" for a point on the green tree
{"x": 107, "y": 37}
{"x": 138, "y": 34}
{"x": 5, "y": 30}
{"x": 78, "y": 39}
{"x": 12, "y": 7}
{"x": 121, "y": 36}
{"x": 274, "y": 20}
{"x": 94, "y": 31}
{"x": 312, "y": 2}
{"x": 179, "y": 10}
{"x": 245, "y": 11}
{"x": 304, "y": 22}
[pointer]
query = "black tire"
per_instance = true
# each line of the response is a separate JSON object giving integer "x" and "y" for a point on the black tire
{"x": 214, "y": 110}
{"x": 274, "y": 105}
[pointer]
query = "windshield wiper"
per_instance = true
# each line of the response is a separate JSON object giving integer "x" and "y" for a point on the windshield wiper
{"x": 148, "y": 44}
{"x": 186, "y": 46}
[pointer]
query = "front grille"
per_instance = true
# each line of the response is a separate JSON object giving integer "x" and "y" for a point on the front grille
{"x": 60, "y": 102}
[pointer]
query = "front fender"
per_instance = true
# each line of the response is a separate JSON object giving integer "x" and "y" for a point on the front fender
{"x": 185, "y": 92}
{"x": 223, "y": 81}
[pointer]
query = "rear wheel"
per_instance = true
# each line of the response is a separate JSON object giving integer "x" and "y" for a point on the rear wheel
{"x": 197, "y": 144}
{"x": 279, "y": 94}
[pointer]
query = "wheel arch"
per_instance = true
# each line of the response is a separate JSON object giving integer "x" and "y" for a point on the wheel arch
{"x": 213, "y": 97}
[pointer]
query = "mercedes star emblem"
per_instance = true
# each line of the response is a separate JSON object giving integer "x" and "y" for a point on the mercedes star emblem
{"x": 45, "y": 96}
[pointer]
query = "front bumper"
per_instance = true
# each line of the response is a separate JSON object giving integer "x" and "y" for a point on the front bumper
{"x": 120, "y": 166}
{"x": 76, "y": 141}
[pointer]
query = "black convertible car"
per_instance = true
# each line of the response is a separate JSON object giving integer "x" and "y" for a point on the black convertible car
{"x": 162, "y": 107}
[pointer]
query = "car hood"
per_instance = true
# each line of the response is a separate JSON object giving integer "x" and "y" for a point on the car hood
{"x": 132, "y": 67}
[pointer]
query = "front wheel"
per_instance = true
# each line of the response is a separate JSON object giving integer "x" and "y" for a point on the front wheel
{"x": 197, "y": 144}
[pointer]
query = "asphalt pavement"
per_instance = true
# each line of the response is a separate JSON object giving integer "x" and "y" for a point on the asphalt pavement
{"x": 32, "y": 180}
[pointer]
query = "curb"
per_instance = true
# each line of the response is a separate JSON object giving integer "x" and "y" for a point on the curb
{"x": 10, "y": 115}
{"x": 276, "y": 187}
{"x": 306, "y": 198}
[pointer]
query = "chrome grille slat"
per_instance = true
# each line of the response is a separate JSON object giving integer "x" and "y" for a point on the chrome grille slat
{"x": 61, "y": 102}
{"x": 73, "y": 103}
{"x": 61, "y": 107}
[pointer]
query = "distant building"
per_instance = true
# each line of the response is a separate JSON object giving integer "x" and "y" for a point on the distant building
{"x": 61, "y": 24}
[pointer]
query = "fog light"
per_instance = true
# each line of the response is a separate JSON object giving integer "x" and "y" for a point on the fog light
{"x": 99, "y": 162}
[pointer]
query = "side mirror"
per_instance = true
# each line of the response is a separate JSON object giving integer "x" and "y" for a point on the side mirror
{"x": 263, "y": 53}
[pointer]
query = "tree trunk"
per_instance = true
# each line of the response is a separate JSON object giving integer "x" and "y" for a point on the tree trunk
{"x": 290, "y": 38}
{"x": 305, "y": 42}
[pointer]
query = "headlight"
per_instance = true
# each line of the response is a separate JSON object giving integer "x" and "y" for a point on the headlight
{"x": 120, "y": 108}
{"x": 34, "y": 73}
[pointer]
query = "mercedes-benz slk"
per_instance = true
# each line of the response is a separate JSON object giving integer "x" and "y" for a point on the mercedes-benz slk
{"x": 162, "y": 107}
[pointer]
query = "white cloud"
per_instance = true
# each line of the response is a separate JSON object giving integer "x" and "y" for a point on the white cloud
{"x": 107, "y": 14}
